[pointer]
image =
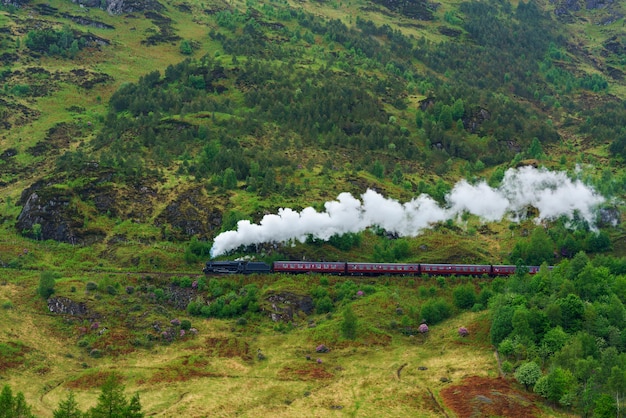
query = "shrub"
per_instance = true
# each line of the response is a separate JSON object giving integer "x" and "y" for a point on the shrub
{"x": 46, "y": 284}
{"x": 91, "y": 286}
{"x": 423, "y": 329}
{"x": 186, "y": 324}
{"x": 464, "y": 297}
{"x": 111, "y": 290}
{"x": 435, "y": 311}
{"x": 463, "y": 332}
{"x": 349, "y": 324}
{"x": 528, "y": 374}
{"x": 7, "y": 305}
{"x": 324, "y": 305}
{"x": 95, "y": 353}
{"x": 507, "y": 367}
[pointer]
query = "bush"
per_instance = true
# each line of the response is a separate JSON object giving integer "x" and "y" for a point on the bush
{"x": 349, "y": 324}
{"x": 95, "y": 353}
{"x": 7, "y": 305}
{"x": 435, "y": 311}
{"x": 464, "y": 297}
{"x": 46, "y": 284}
{"x": 91, "y": 286}
{"x": 324, "y": 305}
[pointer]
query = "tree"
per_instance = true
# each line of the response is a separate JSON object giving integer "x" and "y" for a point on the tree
{"x": 46, "y": 284}
{"x": 528, "y": 374}
{"x": 113, "y": 404}
{"x": 617, "y": 385}
{"x": 68, "y": 408}
{"x": 13, "y": 406}
{"x": 349, "y": 324}
{"x": 185, "y": 47}
{"x": 555, "y": 385}
{"x": 535, "y": 150}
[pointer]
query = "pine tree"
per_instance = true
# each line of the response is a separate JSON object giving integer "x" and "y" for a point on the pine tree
{"x": 68, "y": 408}
{"x": 349, "y": 324}
{"x": 113, "y": 404}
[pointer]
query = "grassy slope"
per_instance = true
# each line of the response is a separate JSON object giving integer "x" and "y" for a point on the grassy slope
{"x": 217, "y": 372}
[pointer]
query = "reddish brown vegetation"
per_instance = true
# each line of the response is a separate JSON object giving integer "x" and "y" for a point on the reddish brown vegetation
{"x": 483, "y": 397}
{"x": 90, "y": 381}
{"x": 115, "y": 343}
{"x": 228, "y": 347}
{"x": 12, "y": 355}
{"x": 187, "y": 370}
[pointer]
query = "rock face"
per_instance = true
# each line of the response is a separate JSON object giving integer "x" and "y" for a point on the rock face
{"x": 565, "y": 9}
{"x": 66, "y": 306}
{"x": 190, "y": 214}
{"x": 48, "y": 216}
{"x": 413, "y": 9}
{"x": 116, "y": 7}
{"x": 285, "y": 305}
{"x": 16, "y": 3}
{"x": 61, "y": 213}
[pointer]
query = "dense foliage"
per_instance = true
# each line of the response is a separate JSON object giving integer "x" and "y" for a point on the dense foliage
{"x": 570, "y": 322}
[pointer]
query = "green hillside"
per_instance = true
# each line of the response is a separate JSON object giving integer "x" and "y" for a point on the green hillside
{"x": 134, "y": 133}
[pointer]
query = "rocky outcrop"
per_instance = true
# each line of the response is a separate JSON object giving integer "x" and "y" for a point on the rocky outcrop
{"x": 413, "y": 9}
{"x": 567, "y": 9}
{"x": 285, "y": 305}
{"x": 474, "y": 119}
{"x": 116, "y": 7}
{"x": 15, "y": 3}
{"x": 66, "y": 306}
{"x": 48, "y": 214}
{"x": 190, "y": 214}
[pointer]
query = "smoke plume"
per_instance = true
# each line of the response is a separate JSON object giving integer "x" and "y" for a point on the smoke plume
{"x": 553, "y": 194}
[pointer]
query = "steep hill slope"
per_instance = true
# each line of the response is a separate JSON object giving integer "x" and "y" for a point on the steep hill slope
{"x": 148, "y": 121}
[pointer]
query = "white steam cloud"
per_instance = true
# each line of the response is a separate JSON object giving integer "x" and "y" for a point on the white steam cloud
{"x": 553, "y": 194}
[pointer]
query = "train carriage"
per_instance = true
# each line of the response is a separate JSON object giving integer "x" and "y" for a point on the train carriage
{"x": 505, "y": 270}
{"x": 309, "y": 267}
{"x": 455, "y": 269}
{"x": 377, "y": 269}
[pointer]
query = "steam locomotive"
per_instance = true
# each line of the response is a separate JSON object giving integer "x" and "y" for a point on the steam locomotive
{"x": 361, "y": 269}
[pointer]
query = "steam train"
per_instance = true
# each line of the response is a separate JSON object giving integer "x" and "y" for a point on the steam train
{"x": 361, "y": 269}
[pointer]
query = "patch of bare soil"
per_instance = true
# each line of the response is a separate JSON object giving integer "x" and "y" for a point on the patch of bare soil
{"x": 485, "y": 397}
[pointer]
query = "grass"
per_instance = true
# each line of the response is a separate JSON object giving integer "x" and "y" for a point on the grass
{"x": 217, "y": 373}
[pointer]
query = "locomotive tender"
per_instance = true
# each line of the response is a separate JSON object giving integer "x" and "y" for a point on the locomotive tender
{"x": 361, "y": 269}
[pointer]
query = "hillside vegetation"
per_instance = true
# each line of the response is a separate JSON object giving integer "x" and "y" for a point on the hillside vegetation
{"x": 133, "y": 133}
